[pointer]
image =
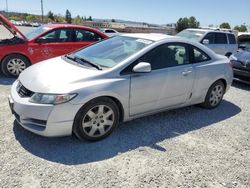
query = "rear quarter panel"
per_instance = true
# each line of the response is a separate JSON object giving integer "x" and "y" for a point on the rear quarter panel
{"x": 206, "y": 73}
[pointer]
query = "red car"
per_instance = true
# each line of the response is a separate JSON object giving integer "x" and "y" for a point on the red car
{"x": 42, "y": 43}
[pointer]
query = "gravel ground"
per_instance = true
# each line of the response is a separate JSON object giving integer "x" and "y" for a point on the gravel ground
{"x": 188, "y": 147}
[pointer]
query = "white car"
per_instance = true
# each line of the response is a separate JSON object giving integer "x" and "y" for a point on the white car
{"x": 91, "y": 90}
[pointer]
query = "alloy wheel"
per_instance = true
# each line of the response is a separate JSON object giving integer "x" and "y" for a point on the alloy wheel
{"x": 216, "y": 95}
{"x": 98, "y": 121}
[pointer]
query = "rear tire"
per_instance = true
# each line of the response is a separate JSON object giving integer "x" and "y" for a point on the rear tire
{"x": 96, "y": 120}
{"x": 214, "y": 95}
{"x": 12, "y": 65}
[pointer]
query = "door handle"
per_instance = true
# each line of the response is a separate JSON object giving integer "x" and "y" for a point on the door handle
{"x": 186, "y": 72}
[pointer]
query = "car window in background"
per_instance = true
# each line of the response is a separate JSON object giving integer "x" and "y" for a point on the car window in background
{"x": 191, "y": 34}
{"x": 35, "y": 32}
{"x": 199, "y": 56}
{"x": 166, "y": 55}
{"x": 58, "y": 35}
{"x": 210, "y": 37}
{"x": 109, "y": 31}
{"x": 231, "y": 38}
{"x": 112, "y": 51}
{"x": 221, "y": 38}
{"x": 84, "y": 35}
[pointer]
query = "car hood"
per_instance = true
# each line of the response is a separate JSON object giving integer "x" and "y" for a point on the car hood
{"x": 8, "y": 25}
{"x": 243, "y": 56}
{"x": 56, "y": 76}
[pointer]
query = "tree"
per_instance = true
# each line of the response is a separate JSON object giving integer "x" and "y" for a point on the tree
{"x": 241, "y": 28}
{"x": 51, "y": 16}
{"x": 225, "y": 25}
{"x": 90, "y": 18}
{"x": 113, "y": 20}
{"x": 77, "y": 20}
{"x": 193, "y": 23}
{"x": 184, "y": 23}
{"x": 30, "y": 18}
{"x": 59, "y": 18}
{"x": 68, "y": 16}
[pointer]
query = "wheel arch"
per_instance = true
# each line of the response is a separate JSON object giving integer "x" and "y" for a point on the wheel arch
{"x": 223, "y": 81}
{"x": 114, "y": 99}
{"x": 16, "y": 53}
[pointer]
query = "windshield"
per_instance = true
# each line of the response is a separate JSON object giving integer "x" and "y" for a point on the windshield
{"x": 111, "y": 52}
{"x": 192, "y": 34}
{"x": 35, "y": 32}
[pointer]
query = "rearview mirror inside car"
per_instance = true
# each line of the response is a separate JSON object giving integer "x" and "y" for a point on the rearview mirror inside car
{"x": 142, "y": 67}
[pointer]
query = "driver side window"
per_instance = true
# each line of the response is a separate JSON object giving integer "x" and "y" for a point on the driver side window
{"x": 167, "y": 55}
{"x": 58, "y": 35}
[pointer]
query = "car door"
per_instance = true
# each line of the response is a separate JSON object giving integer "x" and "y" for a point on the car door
{"x": 54, "y": 43}
{"x": 217, "y": 42}
{"x": 83, "y": 37}
{"x": 168, "y": 84}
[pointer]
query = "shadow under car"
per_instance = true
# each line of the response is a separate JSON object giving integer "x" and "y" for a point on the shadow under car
{"x": 142, "y": 132}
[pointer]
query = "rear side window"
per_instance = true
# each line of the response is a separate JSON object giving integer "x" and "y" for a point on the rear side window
{"x": 220, "y": 38}
{"x": 82, "y": 35}
{"x": 231, "y": 38}
{"x": 199, "y": 55}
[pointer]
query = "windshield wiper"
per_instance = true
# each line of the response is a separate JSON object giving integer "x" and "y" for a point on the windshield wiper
{"x": 76, "y": 59}
{"x": 69, "y": 56}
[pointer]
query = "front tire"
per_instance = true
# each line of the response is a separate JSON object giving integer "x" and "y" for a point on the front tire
{"x": 12, "y": 65}
{"x": 214, "y": 95}
{"x": 96, "y": 120}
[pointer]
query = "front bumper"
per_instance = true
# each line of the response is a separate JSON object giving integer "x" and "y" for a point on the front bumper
{"x": 42, "y": 119}
{"x": 242, "y": 75}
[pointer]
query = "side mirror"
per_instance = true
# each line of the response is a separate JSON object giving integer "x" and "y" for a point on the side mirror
{"x": 142, "y": 67}
{"x": 205, "y": 41}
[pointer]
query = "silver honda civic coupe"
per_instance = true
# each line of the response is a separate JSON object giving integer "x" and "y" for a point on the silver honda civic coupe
{"x": 90, "y": 91}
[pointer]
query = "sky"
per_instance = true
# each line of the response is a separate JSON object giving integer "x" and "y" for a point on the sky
{"x": 151, "y": 11}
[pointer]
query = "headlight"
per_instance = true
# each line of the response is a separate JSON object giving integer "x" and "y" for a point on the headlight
{"x": 51, "y": 98}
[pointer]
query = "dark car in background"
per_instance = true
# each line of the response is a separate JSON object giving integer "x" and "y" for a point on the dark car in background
{"x": 241, "y": 65}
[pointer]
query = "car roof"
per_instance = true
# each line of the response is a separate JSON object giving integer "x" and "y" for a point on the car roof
{"x": 210, "y": 30}
{"x": 53, "y": 26}
{"x": 150, "y": 36}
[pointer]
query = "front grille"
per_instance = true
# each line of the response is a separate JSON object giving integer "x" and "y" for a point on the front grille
{"x": 23, "y": 91}
{"x": 242, "y": 77}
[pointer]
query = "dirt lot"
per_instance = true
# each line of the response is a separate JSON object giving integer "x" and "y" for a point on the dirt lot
{"x": 189, "y": 147}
